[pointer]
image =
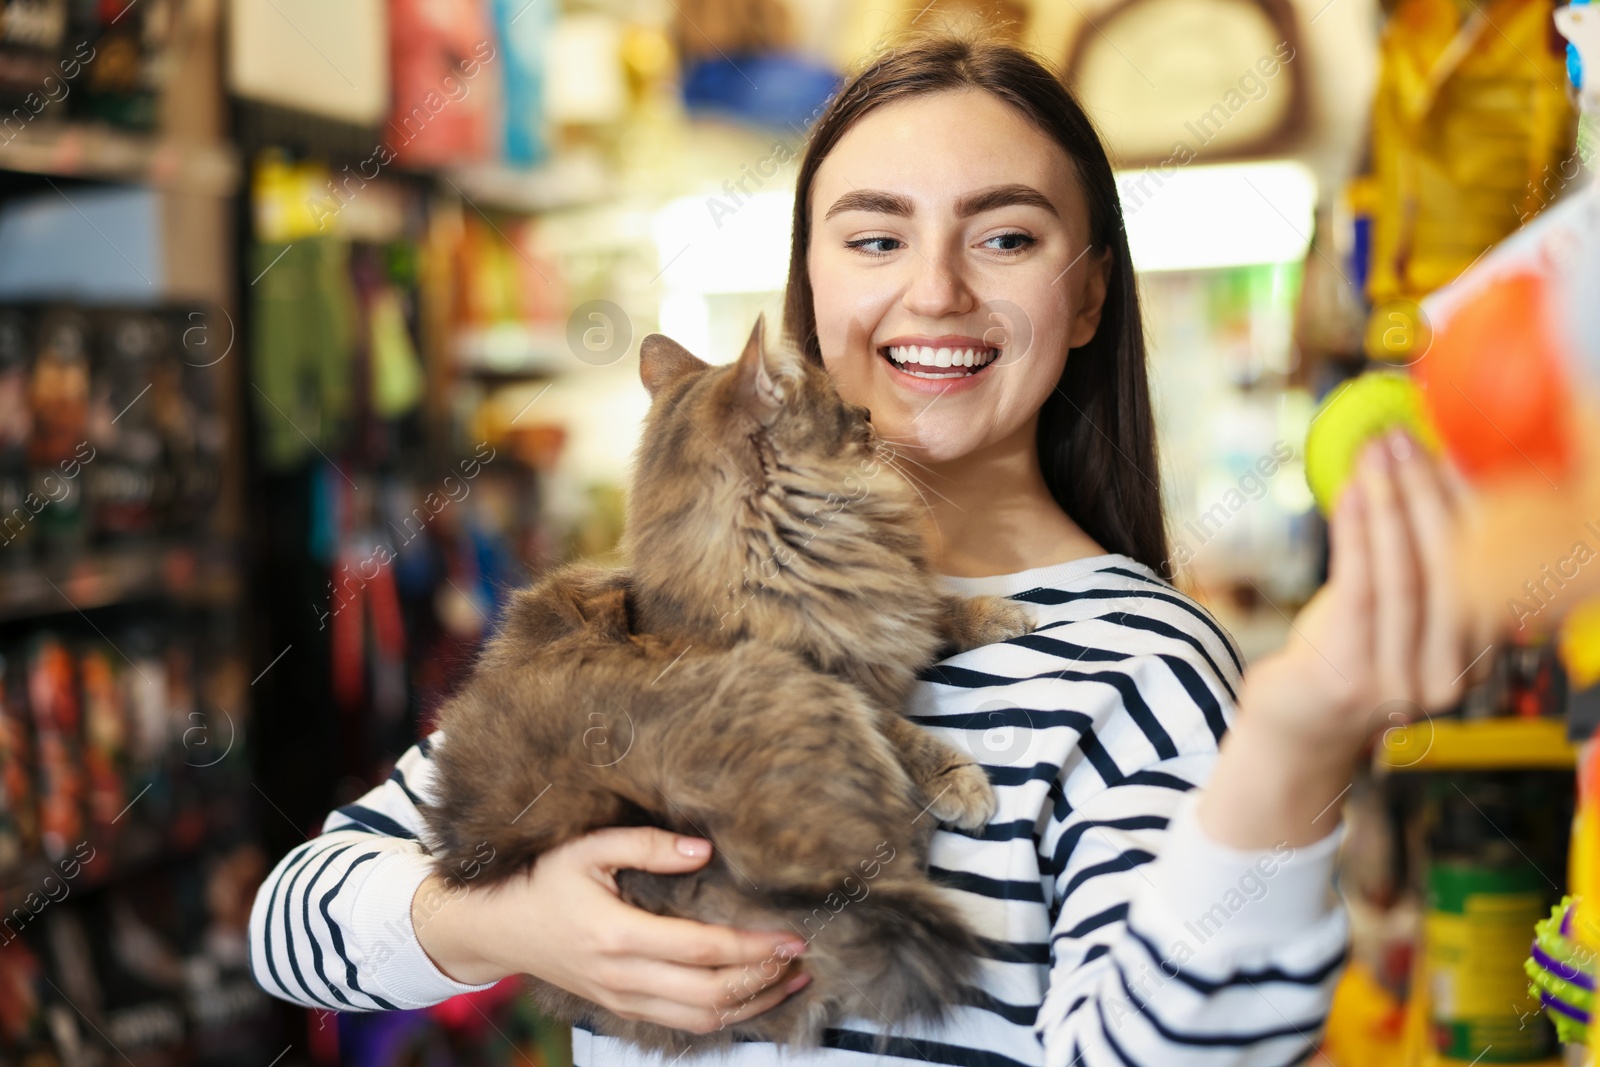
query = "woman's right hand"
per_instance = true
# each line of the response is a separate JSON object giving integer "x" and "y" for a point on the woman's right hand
{"x": 562, "y": 920}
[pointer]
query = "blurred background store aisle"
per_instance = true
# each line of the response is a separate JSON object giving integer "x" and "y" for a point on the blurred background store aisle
{"x": 319, "y": 327}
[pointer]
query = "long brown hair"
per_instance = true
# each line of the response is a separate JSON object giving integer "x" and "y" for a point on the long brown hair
{"x": 1096, "y": 436}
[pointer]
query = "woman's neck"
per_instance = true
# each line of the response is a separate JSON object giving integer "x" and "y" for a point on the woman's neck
{"x": 994, "y": 514}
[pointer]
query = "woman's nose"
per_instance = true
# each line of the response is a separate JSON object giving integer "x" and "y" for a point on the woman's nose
{"x": 937, "y": 288}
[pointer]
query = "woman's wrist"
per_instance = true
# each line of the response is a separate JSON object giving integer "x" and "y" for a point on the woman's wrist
{"x": 1274, "y": 787}
{"x": 449, "y": 919}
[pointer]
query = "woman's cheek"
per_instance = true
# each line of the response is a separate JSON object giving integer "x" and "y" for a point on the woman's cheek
{"x": 825, "y": 302}
{"x": 840, "y": 331}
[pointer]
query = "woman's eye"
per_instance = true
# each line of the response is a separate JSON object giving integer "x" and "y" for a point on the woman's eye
{"x": 1014, "y": 242}
{"x": 861, "y": 244}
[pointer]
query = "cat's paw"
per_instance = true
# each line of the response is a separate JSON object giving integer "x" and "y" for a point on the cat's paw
{"x": 998, "y": 619}
{"x": 963, "y": 797}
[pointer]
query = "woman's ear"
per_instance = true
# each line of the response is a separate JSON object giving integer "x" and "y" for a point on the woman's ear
{"x": 1092, "y": 298}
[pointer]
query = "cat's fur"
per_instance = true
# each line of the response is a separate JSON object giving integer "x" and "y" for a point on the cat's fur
{"x": 744, "y": 679}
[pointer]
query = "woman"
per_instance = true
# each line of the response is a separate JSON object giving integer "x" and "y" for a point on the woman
{"x": 954, "y": 198}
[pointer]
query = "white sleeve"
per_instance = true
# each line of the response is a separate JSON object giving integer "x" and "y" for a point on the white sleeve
{"x": 1171, "y": 950}
{"x": 331, "y": 925}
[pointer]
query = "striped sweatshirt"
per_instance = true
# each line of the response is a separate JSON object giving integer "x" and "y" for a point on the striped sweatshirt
{"x": 1115, "y": 932}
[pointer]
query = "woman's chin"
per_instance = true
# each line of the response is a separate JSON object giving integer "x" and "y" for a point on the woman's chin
{"x": 925, "y": 438}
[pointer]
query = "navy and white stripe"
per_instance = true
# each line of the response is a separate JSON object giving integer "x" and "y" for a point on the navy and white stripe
{"x": 1108, "y": 939}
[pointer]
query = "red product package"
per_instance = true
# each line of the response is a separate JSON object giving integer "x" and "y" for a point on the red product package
{"x": 19, "y": 831}
{"x": 24, "y": 1033}
{"x": 105, "y": 729}
{"x": 445, "y": 105}
{"x": 53, "y": 698}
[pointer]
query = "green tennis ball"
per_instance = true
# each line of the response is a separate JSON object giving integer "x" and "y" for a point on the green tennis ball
{"x": 1352, "y": 415}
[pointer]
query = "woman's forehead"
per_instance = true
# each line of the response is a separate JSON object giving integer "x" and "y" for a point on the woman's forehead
{"x": 937, "y": 149}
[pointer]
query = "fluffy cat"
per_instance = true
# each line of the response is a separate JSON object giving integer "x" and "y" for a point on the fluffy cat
{"x": 743, "y": 678}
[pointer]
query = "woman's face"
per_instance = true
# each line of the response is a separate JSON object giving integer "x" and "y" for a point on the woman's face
{"x": 949, "y": 222}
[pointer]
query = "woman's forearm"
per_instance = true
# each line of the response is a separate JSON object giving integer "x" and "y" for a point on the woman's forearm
{"x": 1268, "y": 790}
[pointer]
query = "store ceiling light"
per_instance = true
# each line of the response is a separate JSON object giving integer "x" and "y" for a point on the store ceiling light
{"x": 1223, "y": 215}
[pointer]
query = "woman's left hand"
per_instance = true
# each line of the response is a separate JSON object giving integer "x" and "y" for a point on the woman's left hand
{"x": 1385, "y": 640}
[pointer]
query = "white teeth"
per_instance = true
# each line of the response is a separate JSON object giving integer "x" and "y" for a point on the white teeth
{"x": 941, "y": 357}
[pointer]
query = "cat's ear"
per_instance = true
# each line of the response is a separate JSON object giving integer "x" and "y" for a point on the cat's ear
{"x": 760, "y": 377}
{"x": 661, "y": 360}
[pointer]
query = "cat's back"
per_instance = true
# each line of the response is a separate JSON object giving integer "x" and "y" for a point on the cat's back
{"x": 575, "y": 603}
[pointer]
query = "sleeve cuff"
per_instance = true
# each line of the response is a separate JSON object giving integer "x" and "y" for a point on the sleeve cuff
{"x": 381, "y": 915}
{"x": 1230, "y": 900}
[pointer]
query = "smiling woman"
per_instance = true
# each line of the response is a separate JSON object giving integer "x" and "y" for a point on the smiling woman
{"x": 1154, "y": 888}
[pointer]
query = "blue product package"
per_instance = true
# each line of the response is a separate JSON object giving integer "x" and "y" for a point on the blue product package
{"x": 94, "y": 245}
{"x": 792, "y": 89}
{"x": 524, "y": 29}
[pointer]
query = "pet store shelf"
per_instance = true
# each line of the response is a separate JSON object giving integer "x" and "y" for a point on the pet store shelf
{"x": 86, "y": 151}
{"x": 570, "y": 180}
{"x": 118, "y": 576}
{"x": 42, "y": 879}
{"x": 1479, "y": 744}
{"x": 514, "y": 350}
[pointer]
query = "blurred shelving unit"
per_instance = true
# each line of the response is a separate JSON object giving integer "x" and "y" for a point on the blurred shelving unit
{"x": 565, "y": 182}
{"x": 183, "y": 572}
{"x": 103, "y": 153}
{"x": 1477, "y": 745}
{"x": 513, "y": 350}
{"x": 142, "y": 622}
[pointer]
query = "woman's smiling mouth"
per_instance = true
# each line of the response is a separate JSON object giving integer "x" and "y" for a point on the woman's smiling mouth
{"x": 939, "y": 358}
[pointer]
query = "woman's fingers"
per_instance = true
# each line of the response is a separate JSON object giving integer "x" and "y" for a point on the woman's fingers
{"x": 641, "y": 933}
{"x": 1397, "y": 606}
{"x": 1349, "y": 556}
{"x": 773, "y": 995}
{"x": 642, "y": 848}
{"x": 704, "y": 945}
{"x": 719, "y": 988}
{"x": 704, "y": 1018}
{"x": 636, "y": 932}
{"x": 1429, "y": 514}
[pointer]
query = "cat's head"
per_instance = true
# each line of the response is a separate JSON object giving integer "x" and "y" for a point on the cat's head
{"x": 764, "y": 445}
{"x": 730, "y": 418}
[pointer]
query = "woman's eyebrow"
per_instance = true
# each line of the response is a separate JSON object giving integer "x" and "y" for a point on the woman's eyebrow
{"x": 876, "y": 200}
{"x": 1003, "y": 196}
